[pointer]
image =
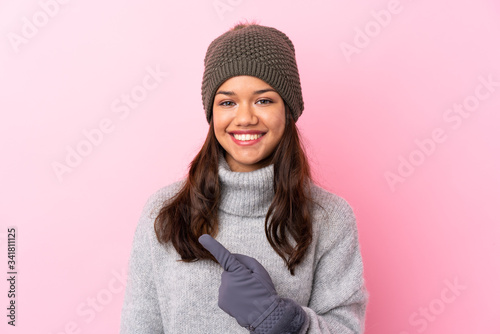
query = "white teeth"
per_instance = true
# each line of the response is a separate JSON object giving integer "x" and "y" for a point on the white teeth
{"x": 247, "y": 137}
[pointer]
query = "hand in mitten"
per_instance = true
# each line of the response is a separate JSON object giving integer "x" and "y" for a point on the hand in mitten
{"x": 247, "y": 293}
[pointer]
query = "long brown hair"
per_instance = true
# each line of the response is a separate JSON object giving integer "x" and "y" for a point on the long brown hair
{"x": 193, "y": 211}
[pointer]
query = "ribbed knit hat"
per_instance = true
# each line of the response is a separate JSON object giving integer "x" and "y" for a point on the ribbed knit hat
{"x": 255, "y": 50}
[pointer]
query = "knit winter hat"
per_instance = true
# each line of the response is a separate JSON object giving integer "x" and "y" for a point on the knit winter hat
{"x": 255, "y": 50}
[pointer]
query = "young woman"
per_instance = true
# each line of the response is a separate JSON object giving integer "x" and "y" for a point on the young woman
{"x": 247, "y": 241}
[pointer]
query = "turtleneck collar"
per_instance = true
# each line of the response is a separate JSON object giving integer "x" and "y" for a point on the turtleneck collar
{"x": 245, "y": 193}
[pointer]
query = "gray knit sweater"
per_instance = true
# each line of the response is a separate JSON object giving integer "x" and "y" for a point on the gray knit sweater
{"x": 164, "y": 295}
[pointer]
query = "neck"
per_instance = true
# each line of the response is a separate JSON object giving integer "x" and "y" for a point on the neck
{"x": 246, "y": 193}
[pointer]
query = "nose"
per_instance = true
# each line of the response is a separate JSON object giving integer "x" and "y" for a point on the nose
{"x": 245, "y": 115}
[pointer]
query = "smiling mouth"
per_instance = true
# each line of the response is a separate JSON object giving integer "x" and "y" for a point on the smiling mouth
{"x": 247, "y": 137}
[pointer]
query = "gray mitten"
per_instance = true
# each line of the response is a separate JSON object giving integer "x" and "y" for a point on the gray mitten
{"x": 247, "y": 292}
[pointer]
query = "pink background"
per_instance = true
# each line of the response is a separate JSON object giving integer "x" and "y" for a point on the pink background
{"x": 365, "y": 112}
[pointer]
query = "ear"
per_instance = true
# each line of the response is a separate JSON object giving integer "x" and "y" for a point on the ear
{"x": 288, "y": 115}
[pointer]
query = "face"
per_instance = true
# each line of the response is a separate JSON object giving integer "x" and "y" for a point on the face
{"x": 249, "y": 121}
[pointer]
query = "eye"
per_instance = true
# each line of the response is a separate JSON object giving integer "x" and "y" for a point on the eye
{"x": 224, "y": 103}
{"x": 265, "y": 100}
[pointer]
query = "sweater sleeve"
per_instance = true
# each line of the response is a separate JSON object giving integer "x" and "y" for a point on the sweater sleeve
{"x": 339, "y": 296}
{"x": 140, "y": 310}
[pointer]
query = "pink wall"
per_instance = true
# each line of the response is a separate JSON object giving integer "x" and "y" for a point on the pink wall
{"x": 381, "y": 120}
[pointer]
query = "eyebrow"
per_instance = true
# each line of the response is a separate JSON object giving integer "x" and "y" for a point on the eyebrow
{"x": 257, "y": 92}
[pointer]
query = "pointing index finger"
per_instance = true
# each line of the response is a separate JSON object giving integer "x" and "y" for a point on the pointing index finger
{"x": 221, "y": 254}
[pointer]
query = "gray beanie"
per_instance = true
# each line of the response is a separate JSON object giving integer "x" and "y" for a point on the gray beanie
{"x": 255, "y": 50}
